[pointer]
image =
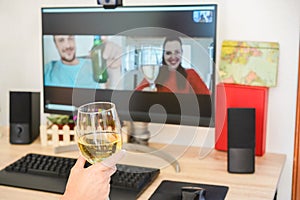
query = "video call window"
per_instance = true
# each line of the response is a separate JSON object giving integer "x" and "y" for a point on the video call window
{"x": 143, "y": 60}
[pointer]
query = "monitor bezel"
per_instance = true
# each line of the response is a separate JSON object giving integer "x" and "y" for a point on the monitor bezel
{"x": 138, "y": 112}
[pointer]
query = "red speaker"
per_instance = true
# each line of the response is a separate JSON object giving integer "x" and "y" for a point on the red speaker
{"x": 24, "y": 118}
{"x": 241, "y": 140}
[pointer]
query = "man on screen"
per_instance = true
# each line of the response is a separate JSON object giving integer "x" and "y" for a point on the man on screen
{"x": 71, "y": 71}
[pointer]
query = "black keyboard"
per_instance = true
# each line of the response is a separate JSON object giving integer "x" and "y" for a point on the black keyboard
{"x": 50, "y": 174}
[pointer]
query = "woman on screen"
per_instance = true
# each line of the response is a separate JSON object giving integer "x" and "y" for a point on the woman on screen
{"x": 173, "y": 77}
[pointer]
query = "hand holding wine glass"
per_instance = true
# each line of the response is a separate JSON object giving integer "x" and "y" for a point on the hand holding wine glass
{"x": 98, "y": 133}
{"x": 88, "y": 183}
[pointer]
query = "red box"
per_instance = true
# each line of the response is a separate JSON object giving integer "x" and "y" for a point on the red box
{"x": 241, "y": 96}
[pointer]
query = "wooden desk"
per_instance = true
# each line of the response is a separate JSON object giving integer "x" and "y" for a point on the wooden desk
{"x": 212, "y": 169}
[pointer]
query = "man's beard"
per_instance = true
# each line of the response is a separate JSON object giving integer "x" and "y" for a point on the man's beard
{"x": 68, "y": 60}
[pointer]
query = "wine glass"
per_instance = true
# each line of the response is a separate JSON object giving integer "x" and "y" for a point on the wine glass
{"x": 98, "y": 131}
{"x": 149, "y": 65}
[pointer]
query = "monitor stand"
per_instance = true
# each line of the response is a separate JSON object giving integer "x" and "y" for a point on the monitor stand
{"x": 138, "y": 137}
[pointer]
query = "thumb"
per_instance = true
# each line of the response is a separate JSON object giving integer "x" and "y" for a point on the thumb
{"x": 112, "y": 160}
{"x": 80, "y": 162}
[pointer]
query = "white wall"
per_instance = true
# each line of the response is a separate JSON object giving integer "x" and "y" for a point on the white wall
{"x": 260, "y": 20}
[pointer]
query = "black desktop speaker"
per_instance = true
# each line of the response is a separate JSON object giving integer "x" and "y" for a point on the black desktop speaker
{"x": 24, "y": 119}
{"x": 241, "y": 140}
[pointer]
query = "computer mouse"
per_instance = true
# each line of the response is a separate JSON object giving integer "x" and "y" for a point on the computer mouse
{"x": 192, "y": 193}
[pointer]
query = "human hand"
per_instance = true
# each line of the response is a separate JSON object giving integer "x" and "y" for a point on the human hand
{"x": 92, "y": 182}
{"x": 112, "y": 54}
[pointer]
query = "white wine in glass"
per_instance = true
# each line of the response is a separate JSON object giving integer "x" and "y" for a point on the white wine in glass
{"x": 98, "y": 131}
{"x": 149, "y": 65}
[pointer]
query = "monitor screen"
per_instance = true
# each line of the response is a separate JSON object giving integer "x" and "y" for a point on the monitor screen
{"x": 157, "y": 64}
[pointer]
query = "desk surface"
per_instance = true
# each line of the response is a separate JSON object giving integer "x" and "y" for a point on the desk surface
{"x": 211, "y": 169}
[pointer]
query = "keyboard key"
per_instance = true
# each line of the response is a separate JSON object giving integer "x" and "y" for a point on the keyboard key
{"x": 44, "y": 172}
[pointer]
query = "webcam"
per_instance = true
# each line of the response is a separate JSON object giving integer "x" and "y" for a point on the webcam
{"x": 109, "y": 3}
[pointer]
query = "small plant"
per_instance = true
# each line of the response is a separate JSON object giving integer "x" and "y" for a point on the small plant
{"x": 61, "y": 120}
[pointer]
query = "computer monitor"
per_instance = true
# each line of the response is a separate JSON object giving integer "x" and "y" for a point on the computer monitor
{"x": 129, "y": 85}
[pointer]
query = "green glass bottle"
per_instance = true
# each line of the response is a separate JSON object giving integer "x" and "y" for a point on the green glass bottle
{"x": 98, "y": 62}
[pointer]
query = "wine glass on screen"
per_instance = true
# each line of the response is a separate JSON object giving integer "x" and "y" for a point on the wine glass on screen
{"x": 98, "y": 131}
{"x": 149, "y": 64}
